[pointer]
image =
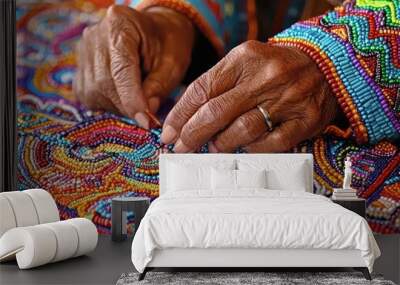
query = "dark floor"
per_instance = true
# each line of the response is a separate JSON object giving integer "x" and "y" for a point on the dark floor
{"x": 111, "y": 259}
{"x": 102, "y": 266}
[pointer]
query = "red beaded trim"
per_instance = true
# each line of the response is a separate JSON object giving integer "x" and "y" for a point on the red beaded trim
{"x": 333, "y": 79}
{"x": 188, "y": 10}
{"x": 390, "y": 167}
{"x": 320, "y": 160}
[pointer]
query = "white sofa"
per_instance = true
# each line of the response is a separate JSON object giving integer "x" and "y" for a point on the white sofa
{"x": 31, "y": 231}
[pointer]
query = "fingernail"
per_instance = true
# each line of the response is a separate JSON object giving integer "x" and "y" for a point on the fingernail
{"x": 142, "y": 119}
{"x": 212, "y": 148}
{"x": 181, "y": 147}
{"x": 168, "y": 134}
{"x": 154, "y": 104}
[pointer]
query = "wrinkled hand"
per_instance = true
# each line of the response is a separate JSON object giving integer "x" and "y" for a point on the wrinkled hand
{"x": 221, "y": 105}
{"x": 131, "y": 60}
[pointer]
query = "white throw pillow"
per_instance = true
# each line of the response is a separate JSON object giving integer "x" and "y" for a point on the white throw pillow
{"x": 182, "y": 177}
{"x": 223, "y": 179}
{"x": 251, "y": 178}
{"x": 294, "y": 180}
{"x": 281, "y": 175}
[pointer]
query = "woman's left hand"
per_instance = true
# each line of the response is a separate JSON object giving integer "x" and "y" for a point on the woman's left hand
{"x": 221, "y": 105}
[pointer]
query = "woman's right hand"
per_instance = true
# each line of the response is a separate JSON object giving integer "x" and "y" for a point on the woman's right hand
{"x": 131, "y": 60}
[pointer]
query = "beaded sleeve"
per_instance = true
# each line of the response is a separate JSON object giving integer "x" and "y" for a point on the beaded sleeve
{"x": 357, "y": 47}
{"x": 224, "y": 23}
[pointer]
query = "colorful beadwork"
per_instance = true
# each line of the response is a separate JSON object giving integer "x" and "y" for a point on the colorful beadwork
{"x": 85, "y": 158}
{"x": 356, "y": 47}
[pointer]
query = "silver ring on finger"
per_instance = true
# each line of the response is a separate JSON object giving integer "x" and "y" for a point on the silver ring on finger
{"x": 267, "y": 117}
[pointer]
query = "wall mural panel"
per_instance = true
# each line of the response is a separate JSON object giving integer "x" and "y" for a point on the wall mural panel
{"x": 84, "y": 158}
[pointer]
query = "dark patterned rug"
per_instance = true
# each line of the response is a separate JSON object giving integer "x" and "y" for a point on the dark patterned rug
{"x": 243, "y": 278}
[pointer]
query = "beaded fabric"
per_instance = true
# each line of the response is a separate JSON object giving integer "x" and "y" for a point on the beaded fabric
{"x": 85, "y": 158}
{"x": 356, "y": 46}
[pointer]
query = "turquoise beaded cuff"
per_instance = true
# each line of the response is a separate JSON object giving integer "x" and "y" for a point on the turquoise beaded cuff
{"x": 364, "y": 74}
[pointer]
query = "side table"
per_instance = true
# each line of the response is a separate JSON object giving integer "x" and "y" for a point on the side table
{"x": 357, "y": 205}
{"x": 120, "y": 207}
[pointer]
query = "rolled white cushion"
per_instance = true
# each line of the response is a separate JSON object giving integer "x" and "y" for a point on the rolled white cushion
{"x": 23, "y": 208}
{"x": 87, "y": 235}
{"x": 7, "y": 218}
{"x": 40, "y": 244}
{"x": 33, "y": 246}
{"x": 45, "y": 205}
{"x": 67, "y": 240}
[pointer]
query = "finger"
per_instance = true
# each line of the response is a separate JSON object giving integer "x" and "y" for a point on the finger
{"x": 154, "y": 104}
{"x": 77, "y": 84}
{"x": 86, "y": 72}
{"x": 125, "y": 67}
{"x": 281, "y": 139}
{"x": 211, "y": 84}
{"x": 244, "y": 130}
{"x": 88, "y": 59}
{"x": 106, "y": 93}
{"x": 96, "y": 82}
{"x": 162, "y": 80}
{"x": 211, "y": 118}
{"x": 101, "y": 59}
{"x": 107, "y": 97}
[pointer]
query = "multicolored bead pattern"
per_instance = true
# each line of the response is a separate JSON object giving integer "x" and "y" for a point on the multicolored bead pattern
{"x": 376, "y": 176}
{"x": 357, "y": 47}
{"x": 85, "y": 158}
